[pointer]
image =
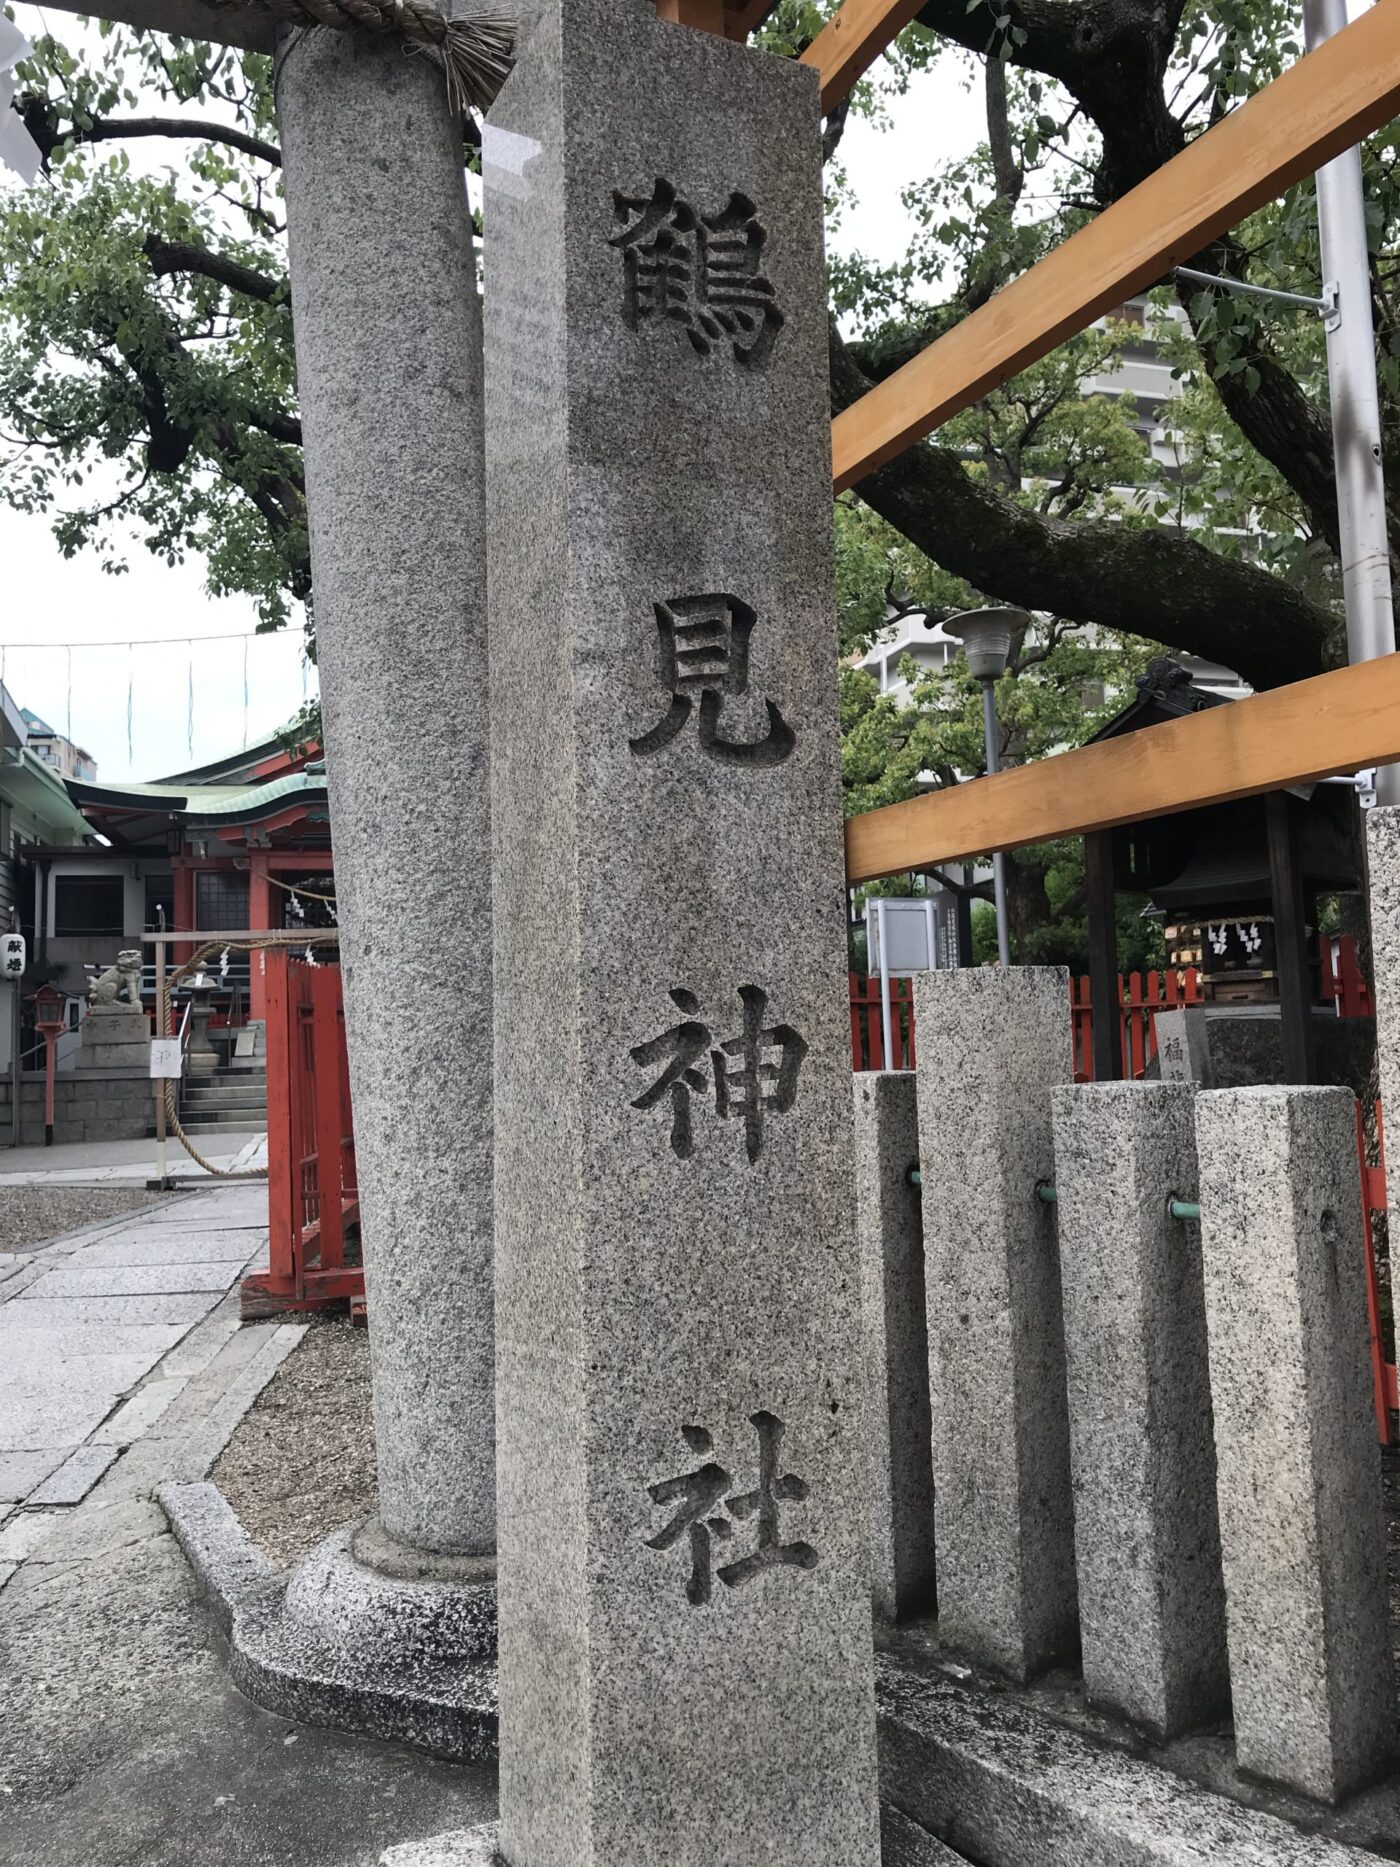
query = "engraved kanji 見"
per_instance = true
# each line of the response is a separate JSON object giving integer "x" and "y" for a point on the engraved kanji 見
{"x": 703, "y": 654}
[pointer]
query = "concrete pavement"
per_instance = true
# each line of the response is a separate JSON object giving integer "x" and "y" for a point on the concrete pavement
{"x": 90, "y": 1332}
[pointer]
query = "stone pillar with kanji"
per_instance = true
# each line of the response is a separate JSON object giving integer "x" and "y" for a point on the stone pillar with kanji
{"x": 685, "y": 1634}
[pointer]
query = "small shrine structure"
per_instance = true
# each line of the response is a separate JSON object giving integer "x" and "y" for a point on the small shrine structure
{"x": 1237, "y": 884}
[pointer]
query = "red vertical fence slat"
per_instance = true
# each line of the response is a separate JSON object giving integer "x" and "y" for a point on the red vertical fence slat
{"x": 326, "y": 1037}
{"x": 283, "y": 1160}
{"x": 310, "y": 1145}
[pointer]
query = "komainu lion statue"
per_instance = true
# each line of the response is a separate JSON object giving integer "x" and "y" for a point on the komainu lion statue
{"x": 120, "y": 984}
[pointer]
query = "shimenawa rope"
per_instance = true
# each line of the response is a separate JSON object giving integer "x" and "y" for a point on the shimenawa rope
{"x": 475, "y": 52}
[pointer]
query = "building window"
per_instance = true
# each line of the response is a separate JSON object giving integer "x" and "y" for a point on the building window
{"x": 160, "y": 902}
{"x": 220, "y": 899}
{"x": 88, "y": 904}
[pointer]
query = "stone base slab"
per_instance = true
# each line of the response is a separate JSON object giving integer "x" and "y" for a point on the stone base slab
{"x": 902, "y": 1844}
{"x": 338, "y": 1644}
{"x": 1008, "y": 1785}
{"x": 459, "y": 1847}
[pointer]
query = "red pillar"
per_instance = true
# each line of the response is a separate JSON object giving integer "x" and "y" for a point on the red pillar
{"x": 184, "y": 910}
{"x": 260, "y": 919}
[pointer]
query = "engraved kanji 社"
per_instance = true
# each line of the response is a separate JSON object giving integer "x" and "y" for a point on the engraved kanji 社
{"x": 702, "y": 1491}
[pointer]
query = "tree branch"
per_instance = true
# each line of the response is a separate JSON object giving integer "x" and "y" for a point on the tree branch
{"x": 1151, "y": 581}
{"x": 176, "y": 256}
{"x": 42, "y": 120}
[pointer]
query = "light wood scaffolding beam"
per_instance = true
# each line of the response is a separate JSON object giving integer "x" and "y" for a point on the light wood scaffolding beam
{"x": 852, "y": 39}
{"x": 1320, "y": 106}
{"x": 1336, "y": 722}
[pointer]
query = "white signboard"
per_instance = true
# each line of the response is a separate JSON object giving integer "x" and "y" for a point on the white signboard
{"x": 901, "y": 935}
{"x": 12, "y": 955}
{"x": 165, "y": 1056}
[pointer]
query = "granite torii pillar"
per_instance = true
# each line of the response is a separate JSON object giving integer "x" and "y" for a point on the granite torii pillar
{"x": 388, "y": 346}
{"x": 388, "y": 351}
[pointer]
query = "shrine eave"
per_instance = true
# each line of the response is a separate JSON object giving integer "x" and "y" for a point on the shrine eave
{"x": 139, "y": 815}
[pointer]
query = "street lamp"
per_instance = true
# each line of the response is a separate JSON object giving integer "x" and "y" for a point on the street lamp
{"x": 986, "y": 636}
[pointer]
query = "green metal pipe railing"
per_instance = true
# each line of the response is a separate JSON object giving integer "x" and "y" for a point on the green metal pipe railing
{"x": 1187, "y": 1210}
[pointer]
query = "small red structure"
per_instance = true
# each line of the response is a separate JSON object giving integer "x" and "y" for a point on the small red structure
{"x": 50, "y": 1020}
{"x": 312, "y": 1191}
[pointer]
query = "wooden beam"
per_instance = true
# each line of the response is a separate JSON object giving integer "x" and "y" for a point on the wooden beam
{"x": 253, "y": 28}
{"x": 852, "y": 39}
{"x": 1335, "y": 722}
{"x": 1320, "y": 106}
{"x": 704, "y": 15}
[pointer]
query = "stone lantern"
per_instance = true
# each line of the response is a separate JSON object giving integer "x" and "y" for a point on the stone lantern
{"x": 202, "y": 1056}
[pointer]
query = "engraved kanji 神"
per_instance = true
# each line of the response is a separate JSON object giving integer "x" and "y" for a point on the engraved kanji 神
{"x": 700, "y": 271}
{"x": 701, "y": 1490}
{"x": 703, "y": 649}
{"x": 752, "y": 1074}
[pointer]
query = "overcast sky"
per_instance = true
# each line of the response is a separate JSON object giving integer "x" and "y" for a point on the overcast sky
{"x": 96, "y": 684}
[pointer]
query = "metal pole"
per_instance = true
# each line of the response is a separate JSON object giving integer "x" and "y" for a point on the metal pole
{"x": 161, "y": 1031}
{"x": 989, "y": 727}
{"x": 50, "y": 1063}
{"x": 884, "y": 980}
{"x": 16, "y": 1076}
{"x": 1356, "y": 420}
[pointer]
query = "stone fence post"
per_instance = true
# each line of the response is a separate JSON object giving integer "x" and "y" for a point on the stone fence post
{"x": 894, "y": 1326}
{"x": 1299, "y": 1481}
{"x": 992, "y": 1046}
{"x": 1146, "y": 1535}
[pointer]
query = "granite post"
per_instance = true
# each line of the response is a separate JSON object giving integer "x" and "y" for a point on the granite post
{"x": 1298, "y": 1464}
{"x": 388, "y": 348}
{"x": 686, "y": 1671}
{"x": 890, "y": 1231}
{"x": 1146, "y": 1533}
{"x": 1183, "y": 1046}
{"x": 992, "y": 1046}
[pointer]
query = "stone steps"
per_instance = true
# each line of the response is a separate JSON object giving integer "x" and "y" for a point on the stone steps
{"x": 224, "y": 1099}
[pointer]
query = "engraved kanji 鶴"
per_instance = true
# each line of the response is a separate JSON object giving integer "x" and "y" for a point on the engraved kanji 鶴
{"x": 700, "y": 271}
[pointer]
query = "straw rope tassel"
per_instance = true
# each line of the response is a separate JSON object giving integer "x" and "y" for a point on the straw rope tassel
{"x": 475, "y": 52}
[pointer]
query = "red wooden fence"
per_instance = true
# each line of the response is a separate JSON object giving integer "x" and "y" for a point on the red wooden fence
{"x": 1140, "y": 997}
{"x": 867, "y": 1026}
{"x": 1383, "y": 1377}
{"x": 312, "y": 1192}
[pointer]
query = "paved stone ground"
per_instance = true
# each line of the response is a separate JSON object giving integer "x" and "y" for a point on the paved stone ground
{"x": 93, "y": 1162}
{"x": 84, "y": 1321}
{"x": 122, "y": 1364}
